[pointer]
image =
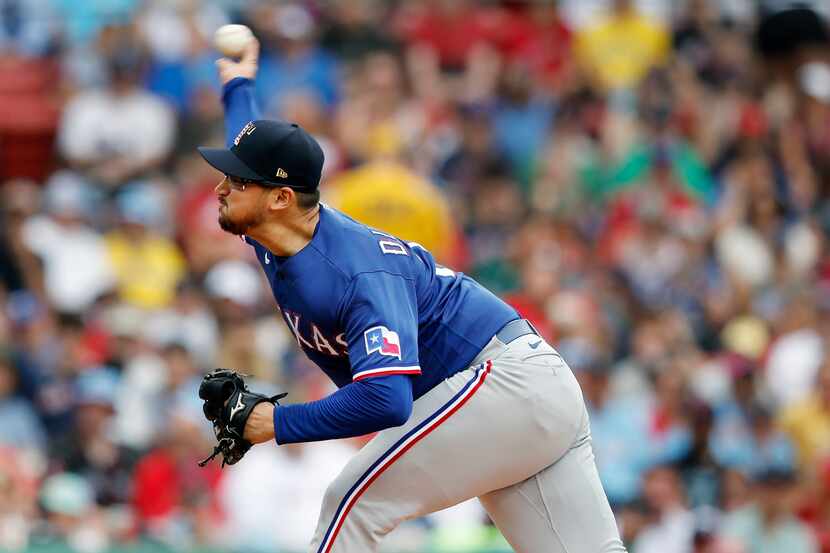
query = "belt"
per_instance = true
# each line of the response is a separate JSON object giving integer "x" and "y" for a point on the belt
{"x": 515, "y": 329}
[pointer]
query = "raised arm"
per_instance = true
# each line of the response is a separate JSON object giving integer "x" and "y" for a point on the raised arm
{"x": 238, "y": 94}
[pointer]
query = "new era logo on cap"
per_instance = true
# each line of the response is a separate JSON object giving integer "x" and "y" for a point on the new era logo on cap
{"x": 281, "y": 173}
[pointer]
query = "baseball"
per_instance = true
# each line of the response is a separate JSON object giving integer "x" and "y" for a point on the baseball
{"x": 230, "y": 40}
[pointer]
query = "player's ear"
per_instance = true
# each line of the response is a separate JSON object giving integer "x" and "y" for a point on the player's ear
{"x": 280, "y": 198}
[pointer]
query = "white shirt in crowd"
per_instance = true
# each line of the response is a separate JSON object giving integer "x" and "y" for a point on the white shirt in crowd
{"x": 99, "y": 124}
{"x": 76, "y": 268}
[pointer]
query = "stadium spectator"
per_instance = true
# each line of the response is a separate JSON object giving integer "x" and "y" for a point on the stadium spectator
{"x": 808, "y": 423}
{"x": 23, "y": 429}
{"x": 449, "y": 31}
{"x": 541, "y": 39}
{"x": 298, "y": 471}
{"x": 354, "y": 30}
{"x": 89, "y": 451}
{"x": 188, "y": 322}
{"x": 147, "y": 264}
{"x": 76, "y": 270}
{"x": 619, "y": 50}
{"x": 121, "y": 131}
{"x": 295, "y": 62}
{"x": 174, "y": 500}
{"x": 672, "y": 529}
{"x": 72, "y": 520}
{"x": 769, "y": 523}
{"x": 615, "y": 422}
{"x": 387, "y": 195}
{"x": 18, "y": 499}
{"x": 744, "y": 435}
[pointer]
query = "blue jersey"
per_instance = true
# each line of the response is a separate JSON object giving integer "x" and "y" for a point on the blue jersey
{"x": 378, "y": 315}
{"x": 364, "y": 304}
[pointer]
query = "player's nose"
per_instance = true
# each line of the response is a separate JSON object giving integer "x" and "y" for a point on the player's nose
{"x": 222, "y": 189}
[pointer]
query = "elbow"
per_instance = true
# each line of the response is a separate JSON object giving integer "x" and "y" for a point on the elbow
{"x": 390, "y": 398}
{"x": 397, "y": 413}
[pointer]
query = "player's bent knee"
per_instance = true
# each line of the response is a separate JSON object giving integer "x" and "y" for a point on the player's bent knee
{"x": 355, "y": 505}
{"x": 350, "y": 523}
{"x": 340, "y": 490}
{"x": 335, "y": 492}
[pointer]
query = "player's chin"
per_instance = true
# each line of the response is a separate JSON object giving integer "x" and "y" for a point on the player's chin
{"x": 228, "y": 225}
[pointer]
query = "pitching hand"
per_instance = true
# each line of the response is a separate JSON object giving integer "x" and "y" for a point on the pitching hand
{"x": 246, "y": 67}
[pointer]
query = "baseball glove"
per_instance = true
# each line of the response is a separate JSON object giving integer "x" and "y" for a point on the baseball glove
{"x": 227, "y": 404}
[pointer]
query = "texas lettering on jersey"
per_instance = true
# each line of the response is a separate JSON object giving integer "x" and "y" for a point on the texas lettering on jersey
{"x": 313, "y": 338}
{"x": 378, "y": 339}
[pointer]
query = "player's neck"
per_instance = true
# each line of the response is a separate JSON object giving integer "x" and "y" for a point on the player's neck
{"x": 287, "y": 237}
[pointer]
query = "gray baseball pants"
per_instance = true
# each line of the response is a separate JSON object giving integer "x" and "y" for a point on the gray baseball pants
{"x": 511, "y": 430}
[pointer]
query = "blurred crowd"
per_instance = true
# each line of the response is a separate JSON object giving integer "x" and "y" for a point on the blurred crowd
{"x": 647, "y": 182}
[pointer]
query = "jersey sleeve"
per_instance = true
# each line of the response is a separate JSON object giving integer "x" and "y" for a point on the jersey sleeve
{"x": 379, "y": 315}
{"x": 239, "y": 99}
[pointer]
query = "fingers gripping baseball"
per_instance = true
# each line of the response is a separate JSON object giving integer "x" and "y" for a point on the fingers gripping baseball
{"x": 228, "y": 404}
{"x": 246, "y": 67}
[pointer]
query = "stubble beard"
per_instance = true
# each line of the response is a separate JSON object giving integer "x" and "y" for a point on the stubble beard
{"x": 237, "y": 227}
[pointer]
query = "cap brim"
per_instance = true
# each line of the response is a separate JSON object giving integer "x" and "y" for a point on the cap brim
{"x": 226, "y": 162}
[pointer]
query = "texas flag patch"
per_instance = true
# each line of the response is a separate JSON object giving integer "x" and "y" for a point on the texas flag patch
{"x": 382, "y": 340}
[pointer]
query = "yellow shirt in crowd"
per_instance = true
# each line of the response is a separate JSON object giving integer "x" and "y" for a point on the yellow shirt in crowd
{"x": 808, "y": 424}
{"x": 148, "y": 269}
{"x": 621, "y": 49}
{"x": 390, "y": 197}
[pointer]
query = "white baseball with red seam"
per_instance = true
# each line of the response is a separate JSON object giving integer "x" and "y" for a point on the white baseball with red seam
{"x": 230, "y": 40}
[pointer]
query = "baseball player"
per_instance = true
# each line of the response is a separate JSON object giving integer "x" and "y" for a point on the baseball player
{"x": 466, "y": 398}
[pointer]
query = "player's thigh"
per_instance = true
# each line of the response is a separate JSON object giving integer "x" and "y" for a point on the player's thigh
{"x": 397, "y": 475}
{"x": 480, "y": 430}
{"x": 403, "y": 466}
{"x": 562, "y": 509}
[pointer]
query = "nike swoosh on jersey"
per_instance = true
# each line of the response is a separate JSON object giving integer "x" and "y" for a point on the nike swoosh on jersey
{"x": 536, "y": 345}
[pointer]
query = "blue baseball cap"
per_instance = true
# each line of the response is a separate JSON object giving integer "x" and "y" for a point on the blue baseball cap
{"x": 271, "y": 153}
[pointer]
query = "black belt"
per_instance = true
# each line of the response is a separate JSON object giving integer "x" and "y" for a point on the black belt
{"x": 515, "y": 329}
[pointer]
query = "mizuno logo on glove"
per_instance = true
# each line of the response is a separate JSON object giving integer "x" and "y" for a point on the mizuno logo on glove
{"x": 238, "y": 407}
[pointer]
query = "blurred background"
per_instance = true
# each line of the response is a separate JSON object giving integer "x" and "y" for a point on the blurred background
{"x": 647, "y": 182}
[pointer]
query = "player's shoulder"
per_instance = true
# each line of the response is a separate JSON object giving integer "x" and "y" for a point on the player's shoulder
{"x": 356, "y": 248}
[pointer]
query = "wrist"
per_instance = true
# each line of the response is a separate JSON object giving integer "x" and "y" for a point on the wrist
{"x": 260, "y": 424}
{"x": 232, "y": 84}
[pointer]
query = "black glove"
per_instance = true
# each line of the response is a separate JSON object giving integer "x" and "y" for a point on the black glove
{"x": 228, "y": 404}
